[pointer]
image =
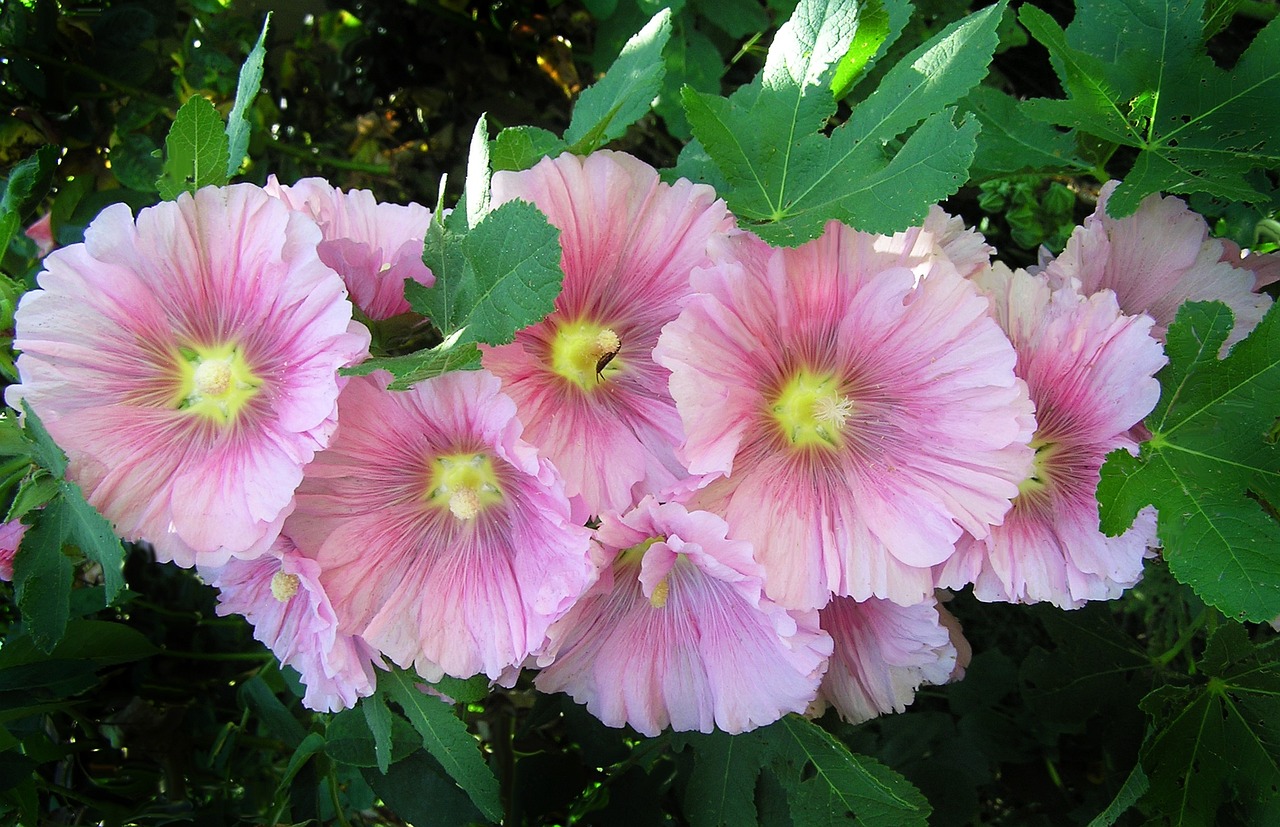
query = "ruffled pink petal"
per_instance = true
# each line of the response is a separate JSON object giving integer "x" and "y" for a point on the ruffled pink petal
{"x": 101, "y": 341}
{"x": 629, "y": 243}
{"x": 1265, "y": 267}
{"x": 1154, "y": 260}
{"x": 442, "y": 594}
{"x": 883, "y": 653}
{"x": 681, "y": 634}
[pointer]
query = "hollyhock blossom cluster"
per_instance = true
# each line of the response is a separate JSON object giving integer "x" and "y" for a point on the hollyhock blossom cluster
{"x": 1090, "y": 370}
{"x": 442, "y": 538}
{"x": 1154, "y": 260}
{"x": 858, "y": 405}
{"x": 592, "y": 399}
{"x": 281, "y": 596}
{"x": 187, "y": 364}
{"x": 678, "y": 631}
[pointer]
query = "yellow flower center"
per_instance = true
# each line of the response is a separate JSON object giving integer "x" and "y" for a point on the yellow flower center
{"x": 810, "y": 410}
{"x": 284, "y": 586}
{"x": 466, "y": 484}
{"x": 214, "y": 382}
{"x": 633, "y": 557}
{"x": 585, "y": 353}
{"x": 1035, "y": 486}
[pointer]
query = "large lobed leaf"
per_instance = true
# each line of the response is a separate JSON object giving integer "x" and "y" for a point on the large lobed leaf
{"x": 197, "y": 151}
{"x": 786, "y": 179}
{"x": 1136, "y": 73}
{"x": 1210, "y": 459}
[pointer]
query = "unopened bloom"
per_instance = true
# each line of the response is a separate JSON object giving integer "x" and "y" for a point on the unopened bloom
{"x": 884, "y": 653}
{"x": 373, "y": 245}
{"x": 1090, "y": 370}
{"x": 281, "y": 597}
{"x": 860, "y": 404}
{"x": 443, "y": 539}
{"x": 188, "y": 366}
{"x": 678, "y": 632}
{"x": 586, "y": 386}
{"x": 11, "y": 534}
{"x": 1154, "y": 260}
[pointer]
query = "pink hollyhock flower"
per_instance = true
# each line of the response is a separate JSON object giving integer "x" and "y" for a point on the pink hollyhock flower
{"x": 963, "y": 246}
{"x": 11, "y": 534}
{"x": 443, "y": 539}
{"x": 884, "y": 653}
{"x": 1154, "y": 260}
{"x": 281, "y": 596}
{"x": 373, "y": 246}
{"x": 592, "y": 399}
{"x": 41, "y": 232}
{"x": 678, "y": 632}
{"x": 1090, "y": 370}
{"x": 188, "y": 366}
{"x": 862, "y": 404}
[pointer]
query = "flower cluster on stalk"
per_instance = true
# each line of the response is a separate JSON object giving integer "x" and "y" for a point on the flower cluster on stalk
{"x": 719, "y": 483}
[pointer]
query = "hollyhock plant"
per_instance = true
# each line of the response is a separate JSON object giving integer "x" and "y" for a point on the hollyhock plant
{"x": 678, "y": 632}
{"x": 1154, "y": 260}
{"x": 443, "y": 539}
{"x": 187, "y": 363}
{"x": 373, "y": 245}
{"x": 1090, "y": 370}
{"x": 281, "y": 597}
{"x": 860, "y": 403}
{"x": 884, "y": 653}
{"x": 592, "y": 399}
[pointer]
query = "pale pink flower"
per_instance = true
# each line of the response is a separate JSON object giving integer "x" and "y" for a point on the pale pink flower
{"x": 678, "y": 632}
{"x": 592, "y": 399}
{"x": 11, "y": 534}
{"x": 862, "y": 404}
{"x": 884, "y": 653}
{"x": 963, "y": 246}
{"x": 443, "y": 539}
{"x": 281, "y": 597}
{"x": 1154, "y": 260}
{"x": 1090, "y": 370}
{"x": 373, "y": 245}
{"x": 188, "y": 366}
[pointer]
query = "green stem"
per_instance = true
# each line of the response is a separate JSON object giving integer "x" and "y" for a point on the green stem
{"x": 1183, "y": 640}
{"x": 329, "y": 160}
{"x": 264, "y": 657}
{"x": 333, "y": 794}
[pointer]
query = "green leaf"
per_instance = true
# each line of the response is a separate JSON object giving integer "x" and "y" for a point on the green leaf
{"x": 279, "y": 721}
{"x": 605, "y": 110}
{"x": 1209, "y": 449}
{"x": 42, "y": 579}
{"x": 786, "y": 180}
{"x": 844, "y": 783}
{"x": 413, "y": 368}
{"x": 520, "y": 147}
{"x": 464, "y": 692}
{"x": 500, "y": 277}
{"x": 196, "y": 150}
{"x": 417, "y": 790}
{"x": 1136, "y": 73}
{"x": 446, "y": 738}
{"x": 26, "y": 187}
{"x": 370, "y": 736}
{"x": 43, "y": 449}
{"x": 1135, "y": 786}
{"x": 98, "y": 642}
{"x": 1011, "y": 142}
{"x": 476, "y": 187}
{"x": 722, "y": 785}
{"x": 873, "y": 32}
{"x": 246, "y": 90}
{"x": 1219, "y": 740}
{"x": 91, "y": 532}
{"x": 306, "y": 749}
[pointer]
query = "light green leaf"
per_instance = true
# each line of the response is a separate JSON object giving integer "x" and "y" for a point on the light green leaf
{"x": 27, "y": 185}
{"x": 413, "y": 368}
{"x": 787, "y": 180}
{"x": 196, "y": 150}
{"x": 520, "y": 147}
{"x": 447, "y": 739}
{"x": 1209, "y": 449}
{"x": 246, "y": 90}
{"x": 872, "y": 37}
{"x": 476, "y": 187}
{"x": 605, "y": 110}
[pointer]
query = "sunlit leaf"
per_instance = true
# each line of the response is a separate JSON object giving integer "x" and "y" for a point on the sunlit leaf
{"x": 246, "y": 90}
{"x": 196, "y": 150}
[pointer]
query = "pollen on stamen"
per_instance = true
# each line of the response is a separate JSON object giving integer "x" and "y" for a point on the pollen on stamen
{"x": 660, "y": 594}
{"x": 464, "y": 503}
{"x": 831, "y": 410}
{"x": 607, "y": 342}
{"x": 284, "y": 586}
{"x": 212, "y": 377}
